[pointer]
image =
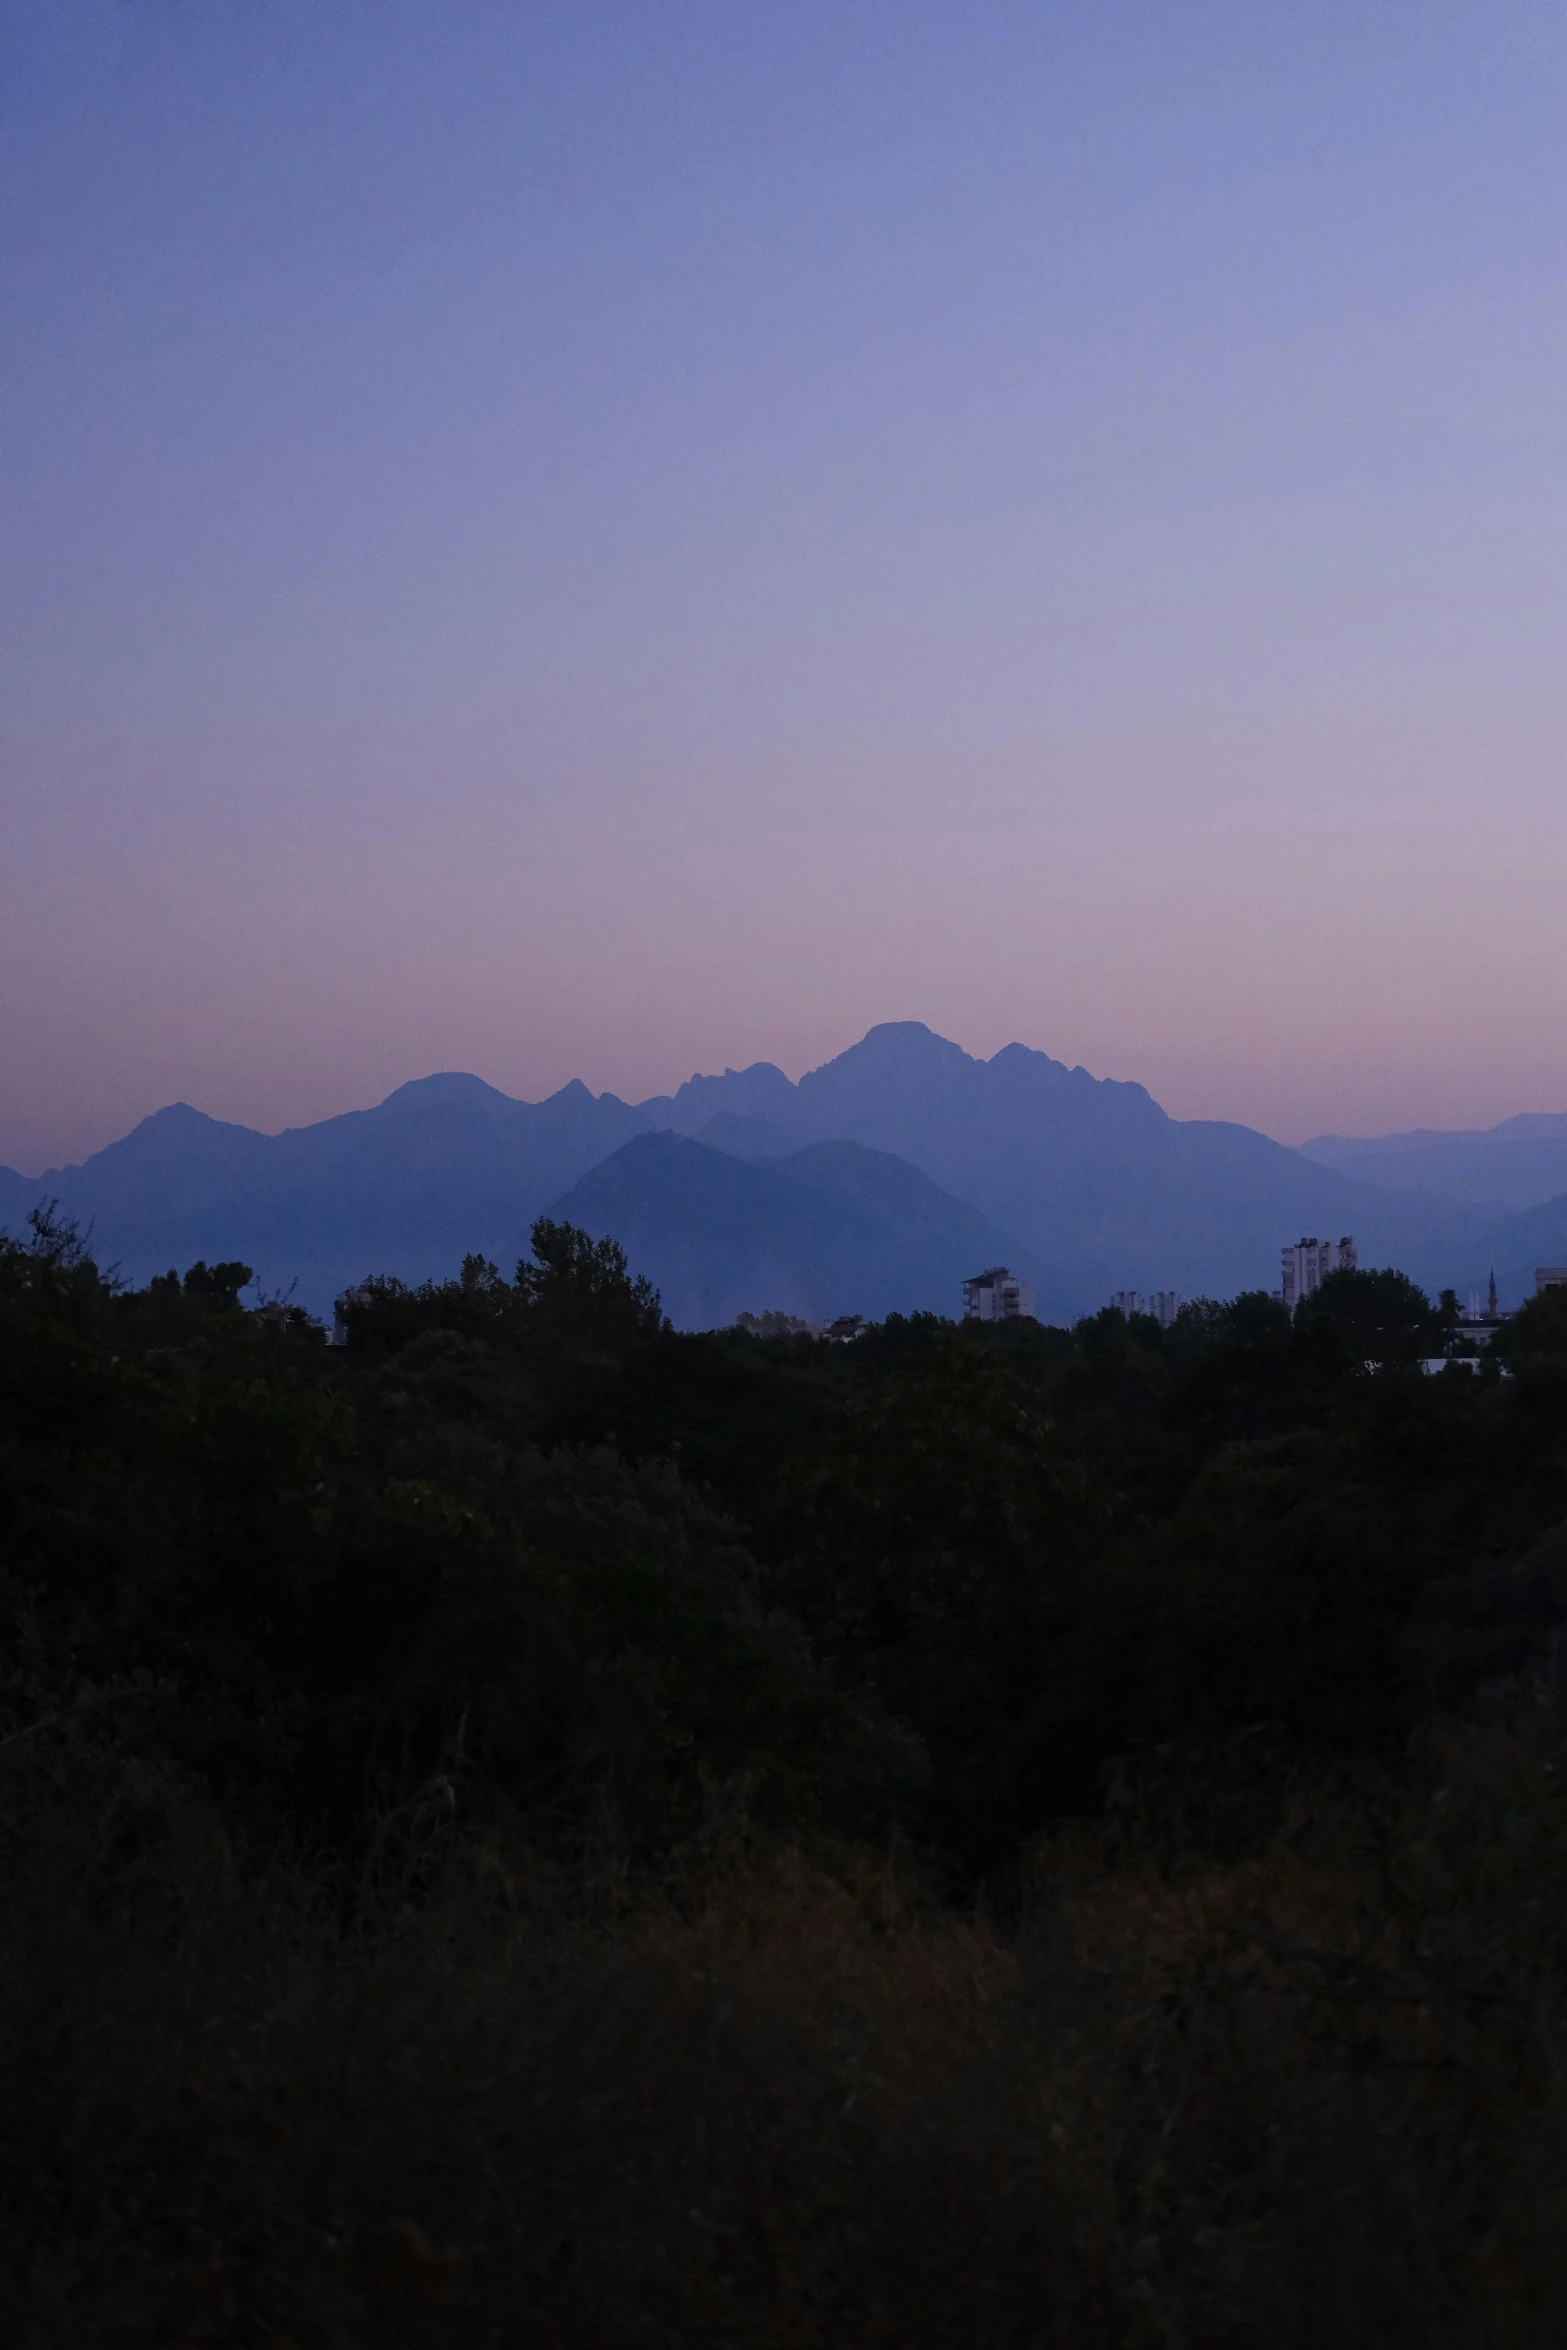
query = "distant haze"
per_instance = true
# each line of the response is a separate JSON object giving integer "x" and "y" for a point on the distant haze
{"x": 877, "y": 1184}
{"x": 596, "y": 540}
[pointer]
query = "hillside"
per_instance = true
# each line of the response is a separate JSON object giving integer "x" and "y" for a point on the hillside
{"x": 832, "y": 1229}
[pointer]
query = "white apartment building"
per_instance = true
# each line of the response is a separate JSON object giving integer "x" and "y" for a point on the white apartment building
{"x": 1307, "y": 1264}
{"x": 994, "y": 1296}
{"x": 1162, "y": 1305}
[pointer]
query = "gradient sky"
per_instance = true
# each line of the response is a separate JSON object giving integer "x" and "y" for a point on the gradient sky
{"x": 604, "y": 539}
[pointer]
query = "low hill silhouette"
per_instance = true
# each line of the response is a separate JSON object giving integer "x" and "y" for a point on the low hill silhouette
{"x": 833, "y": 1229}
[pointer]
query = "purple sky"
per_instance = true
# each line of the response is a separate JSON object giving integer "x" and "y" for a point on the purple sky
{"x": 607, "y": 539}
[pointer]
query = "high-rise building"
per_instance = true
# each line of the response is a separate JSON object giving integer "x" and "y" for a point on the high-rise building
{"x": 1548, "y": 1277}
{"x": 1161, "y": 1305}
{"x": 994, "y": 1296}
{"x": 1307, "y": 1264}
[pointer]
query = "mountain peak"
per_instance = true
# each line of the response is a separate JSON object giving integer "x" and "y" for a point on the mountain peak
{"x": 906, "y": 1045}
{"x": 178, "y": 1126}
{"x": 761, "y": 1091}
{"x": 447, "y": 1089}
{"x": 173, "y": 1116}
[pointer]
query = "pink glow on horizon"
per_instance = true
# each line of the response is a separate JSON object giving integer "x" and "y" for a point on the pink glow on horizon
{"x": 572, "y": 543}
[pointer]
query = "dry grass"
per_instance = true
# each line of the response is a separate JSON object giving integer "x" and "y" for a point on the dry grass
{"x": 1311, "y": 2096}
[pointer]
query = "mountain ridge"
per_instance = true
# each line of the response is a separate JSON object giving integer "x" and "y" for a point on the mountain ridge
{"x": 1517, "y": 1165}
{"x": 1089, "y": 1178}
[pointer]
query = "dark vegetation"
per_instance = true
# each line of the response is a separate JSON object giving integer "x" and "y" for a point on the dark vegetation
{"x": 531, "y": 1827}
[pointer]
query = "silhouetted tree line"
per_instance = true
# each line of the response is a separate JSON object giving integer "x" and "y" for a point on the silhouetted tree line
{"x": 517, "y": 1568}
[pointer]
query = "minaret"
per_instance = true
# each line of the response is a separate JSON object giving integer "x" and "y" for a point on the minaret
{"x": 1491, "y": 1314}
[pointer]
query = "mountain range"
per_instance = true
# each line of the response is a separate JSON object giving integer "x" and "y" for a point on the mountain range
{"x": 1519, "y": 1164}
{"x": 878, "y": 1181}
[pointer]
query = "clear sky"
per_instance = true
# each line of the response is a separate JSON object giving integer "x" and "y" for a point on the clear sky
{"x": 615, "y": 537}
